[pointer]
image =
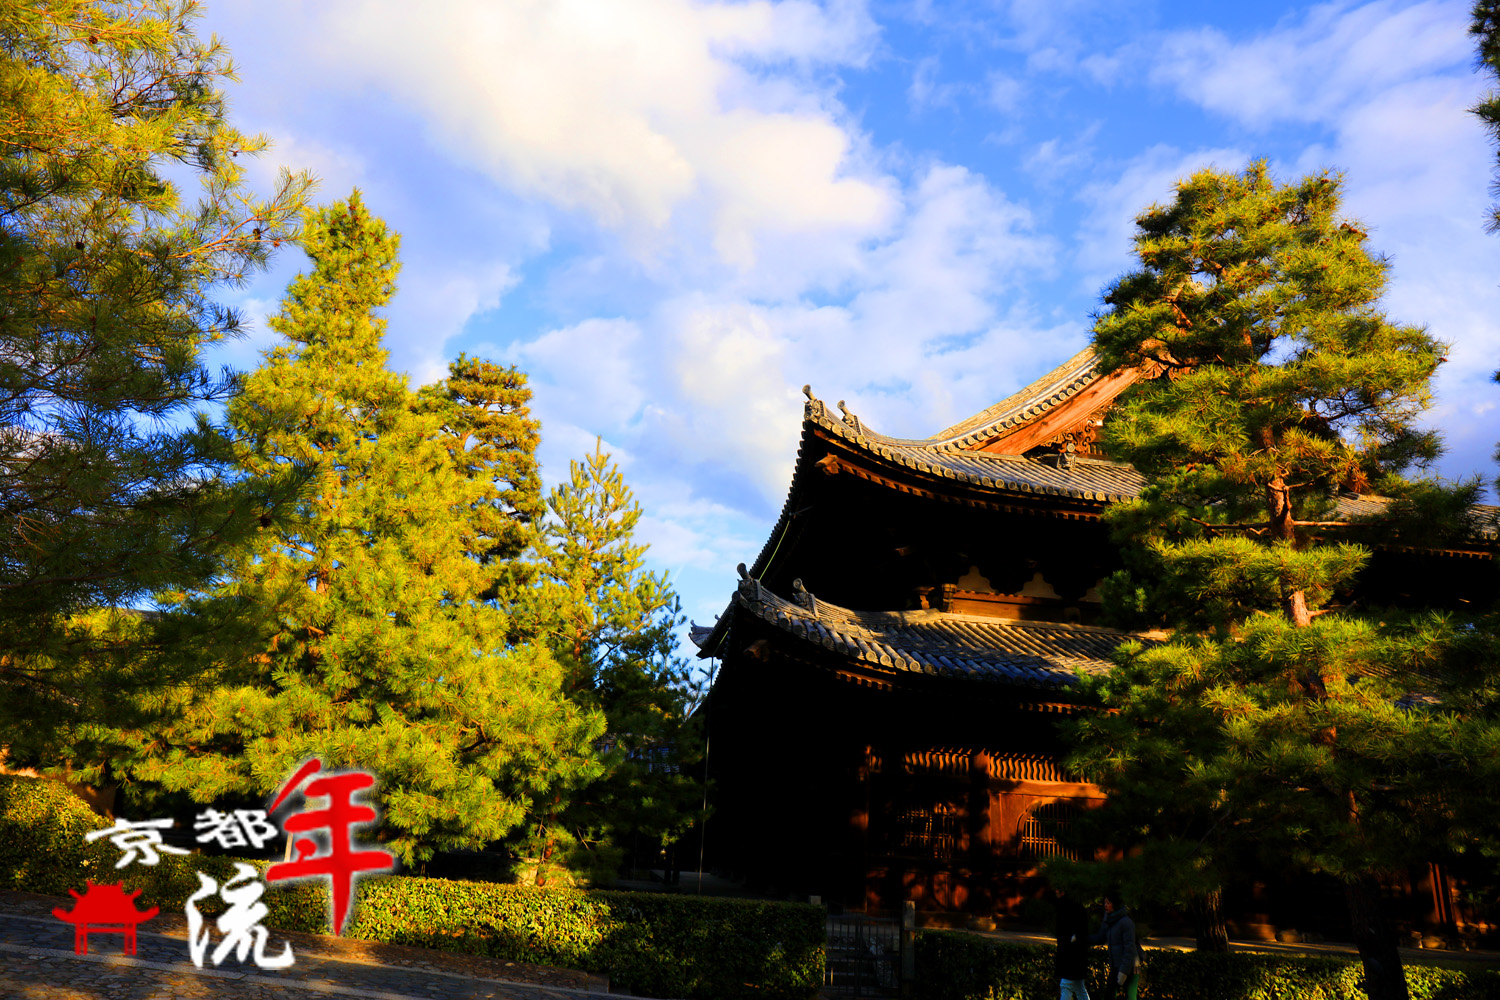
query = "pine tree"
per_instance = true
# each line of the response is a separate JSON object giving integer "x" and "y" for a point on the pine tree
{"x": 107, "y": 277}
{"x": 488, "y": 430}
{"x": 1164, "y": 811}
{"x": 612, "y": 625}
{"x": 1484, "y": 25}
{"x": 380, "y": 652}
{"x": 1282, "y": 384}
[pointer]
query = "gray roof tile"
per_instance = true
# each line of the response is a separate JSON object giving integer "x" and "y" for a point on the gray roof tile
{"x": 944, "y": 456}
{"x": 1027, "y": 654}
{"x": 1084, "y": 479}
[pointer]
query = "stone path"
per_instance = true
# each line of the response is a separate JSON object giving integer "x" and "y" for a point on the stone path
{"x": 37, "y": 962}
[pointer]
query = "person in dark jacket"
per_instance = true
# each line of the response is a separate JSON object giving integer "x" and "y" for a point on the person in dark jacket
{"x": 1072, "y": 947}
{"x": 1118, "y": 932}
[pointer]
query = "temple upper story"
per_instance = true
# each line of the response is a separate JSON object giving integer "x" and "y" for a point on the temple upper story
{"x": 999, "y": 515}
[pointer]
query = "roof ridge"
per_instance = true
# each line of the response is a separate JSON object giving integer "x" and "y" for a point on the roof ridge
{"x": 765, "y": 595}
{"x": 1080, "y": 369}
{"x": 925, "y": 615}
{"x": 1028, "y": 402}
{"x": 921, "y": 456}
{"x": 1029, "y": 654}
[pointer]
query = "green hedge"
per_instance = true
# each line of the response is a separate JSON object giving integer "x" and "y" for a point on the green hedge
{"x": 956, "y": 966}
{"x": 42, "y": 825}
{"x": 652, "y": 944}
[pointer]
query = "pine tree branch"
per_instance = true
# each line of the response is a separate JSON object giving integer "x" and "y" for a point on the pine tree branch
{"x": 1259, "y": 527}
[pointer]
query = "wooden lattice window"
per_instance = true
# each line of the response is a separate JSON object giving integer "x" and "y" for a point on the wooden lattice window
{"x": 1041, "y": 831}
{"x": 929, "y": 833}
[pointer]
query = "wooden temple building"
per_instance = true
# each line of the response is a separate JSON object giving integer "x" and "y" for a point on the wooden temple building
{"x": 894, "y": 663}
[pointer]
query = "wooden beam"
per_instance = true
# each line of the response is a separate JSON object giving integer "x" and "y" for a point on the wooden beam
{"x": 1064, "y": 417}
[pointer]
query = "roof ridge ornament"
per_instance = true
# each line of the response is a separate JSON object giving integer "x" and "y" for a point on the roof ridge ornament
{"x": 803, "y": 596}
{"x": 851, "y": 419}
{"x": 814, "y": 410}
{"x": 749, "y": 587}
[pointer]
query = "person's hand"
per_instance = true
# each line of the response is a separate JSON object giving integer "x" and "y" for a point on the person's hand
{"x": 1121, "y": 980}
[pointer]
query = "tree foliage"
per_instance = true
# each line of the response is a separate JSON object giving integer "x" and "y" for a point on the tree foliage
{"x": 613, "y": 626}
{"x": 1275, "y": 719}
{"x": 380, "y": 649}
{"x": 109, "y": 489}
{"x": 486, "y": 426}
{"x": 1484, "y": 25}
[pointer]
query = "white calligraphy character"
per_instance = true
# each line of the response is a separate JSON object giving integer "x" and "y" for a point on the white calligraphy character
{"x": 236, "y": 829}
{"x": 240, "y": 924}
{"x": 142, "y": 838}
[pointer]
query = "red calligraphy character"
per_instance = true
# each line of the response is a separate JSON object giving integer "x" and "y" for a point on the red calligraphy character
{"x": 342, "y": 864}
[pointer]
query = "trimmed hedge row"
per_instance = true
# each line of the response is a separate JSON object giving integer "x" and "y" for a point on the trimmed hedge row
{"x": 952, "y": 965}
{"x": 41, "y": 835}
{"x": 42, "y": 849}
{"x": 654, "y": 945}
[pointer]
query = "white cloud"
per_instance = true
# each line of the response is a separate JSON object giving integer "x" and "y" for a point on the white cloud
{"x": 926, "y": 91}
{"x": 1055, "y": 35}
{"x": 1003, "y": 91}
{"x": 725, "y": 399}
{"x": 706, "y": 388}
{"x": 337, "y": 170}
{"x": 435, "y": 303}
{"x": 691, "y": 533}
{"x": 694, "y": 145}
{"x": 1053, "y": 160}
{"x": 1105, "y": 69}
{"x": 962, "y": 247}
{"x": 1313, "y": 70}
{"x": 839, "y": 32}
{"x": 631, "y": 111}
{"x": 587, "y": 374}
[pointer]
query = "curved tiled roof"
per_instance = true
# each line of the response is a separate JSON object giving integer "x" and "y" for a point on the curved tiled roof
{"x": 1026, "y": 654}
{"x": 1484, "y": 519}
{"x": 1061, "y": 383}
{"x": 1081, "y": 479}
{"x": 949, "y": 456}
{"x": 1487, "y": 520}
{"x": 1010, "y": 414}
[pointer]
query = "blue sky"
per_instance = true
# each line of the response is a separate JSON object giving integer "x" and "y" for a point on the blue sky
{"x": 673, "y": 214}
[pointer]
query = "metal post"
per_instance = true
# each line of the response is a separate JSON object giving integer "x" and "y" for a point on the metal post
{"x": 908, "y": 948}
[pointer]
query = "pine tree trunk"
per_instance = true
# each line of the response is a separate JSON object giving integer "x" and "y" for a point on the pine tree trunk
{"x": 1375, "y": 936}
{"x": 1284, "y": 529}
{"x": 1208, "y": 921}
{"x": 541, "y": 866}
